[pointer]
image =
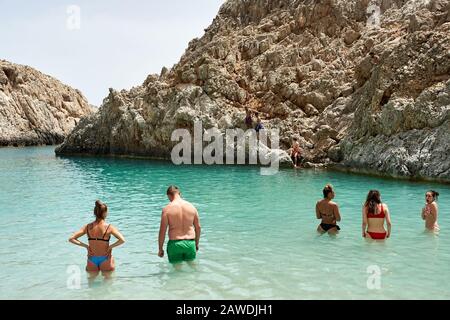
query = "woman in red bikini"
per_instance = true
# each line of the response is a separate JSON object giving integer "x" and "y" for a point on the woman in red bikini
{"x": 375, "y": 213}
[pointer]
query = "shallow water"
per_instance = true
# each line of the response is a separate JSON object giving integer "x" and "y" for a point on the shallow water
{"x": 258, "y": 241}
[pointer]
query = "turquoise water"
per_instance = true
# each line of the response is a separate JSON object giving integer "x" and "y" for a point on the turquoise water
{"x": 258, "y": 242}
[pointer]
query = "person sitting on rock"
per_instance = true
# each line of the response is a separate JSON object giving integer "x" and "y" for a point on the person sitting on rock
{"x": 296, "y": 153}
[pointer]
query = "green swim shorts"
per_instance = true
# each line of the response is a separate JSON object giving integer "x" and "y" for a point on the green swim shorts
{"x": 181, "y": 250}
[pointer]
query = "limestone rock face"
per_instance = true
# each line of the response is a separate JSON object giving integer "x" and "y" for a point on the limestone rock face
{"x": 363, "y": 85}
{"x": 36, "y": 109}
{"x": 401, "y": 121}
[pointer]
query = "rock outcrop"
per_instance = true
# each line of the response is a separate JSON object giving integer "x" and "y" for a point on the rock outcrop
{"x": 363, "y": 84}
{"x": 36, "y": 109}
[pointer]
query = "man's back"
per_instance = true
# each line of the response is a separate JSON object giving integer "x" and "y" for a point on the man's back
{"x": 183, "y": 222}
{"x": 180, "y": 216}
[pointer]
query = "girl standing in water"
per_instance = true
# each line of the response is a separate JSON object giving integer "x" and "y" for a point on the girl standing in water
{"x": 328, "y": 212}
{"x": 375, "y": 214}
{"x": 430, "y": 211}
{"x": 99, "y": 234}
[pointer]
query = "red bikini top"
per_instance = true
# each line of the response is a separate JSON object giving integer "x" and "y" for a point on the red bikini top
{"x": 380, "y": 215}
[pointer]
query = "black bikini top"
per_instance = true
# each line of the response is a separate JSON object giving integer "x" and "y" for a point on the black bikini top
{"x": 98, "y": 239}
{"x": 330, "y": 215}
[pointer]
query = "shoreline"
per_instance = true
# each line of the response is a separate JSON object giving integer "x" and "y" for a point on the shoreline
{"x": 332, "y": 167}
{"x": 336, "y": 167}
{"x": 376, "y": 174}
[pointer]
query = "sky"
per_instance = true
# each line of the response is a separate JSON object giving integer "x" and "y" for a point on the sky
{"x": 100, "y": 44}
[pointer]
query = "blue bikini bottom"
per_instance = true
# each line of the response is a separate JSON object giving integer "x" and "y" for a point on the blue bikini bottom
{"x": 98, "y": 260}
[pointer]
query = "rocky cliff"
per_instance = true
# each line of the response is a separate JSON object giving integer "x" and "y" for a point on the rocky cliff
{"x": 36, "y": 109}
{"x": 363, "y": 84}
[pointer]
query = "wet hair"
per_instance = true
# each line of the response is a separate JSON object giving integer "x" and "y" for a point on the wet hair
{"x": 172, "y": 190}
{"x": 327, "y": 190}
{"x": 435, "y": 194}
{"x": 100, "y": 210}
{"x": 373, "y": 199}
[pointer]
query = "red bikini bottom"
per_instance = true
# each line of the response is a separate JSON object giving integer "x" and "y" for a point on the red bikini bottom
{"x": 377, "y": 235}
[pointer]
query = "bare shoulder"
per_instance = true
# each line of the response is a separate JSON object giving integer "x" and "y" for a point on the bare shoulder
{"x": 192, "y": 208}
{"x": 333, "y": 204}
{"x": 166, "y": 208}
{"x": 188, "y": 204}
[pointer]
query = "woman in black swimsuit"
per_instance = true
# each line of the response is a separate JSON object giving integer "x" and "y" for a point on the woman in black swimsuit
{"x": 328, "y": 212}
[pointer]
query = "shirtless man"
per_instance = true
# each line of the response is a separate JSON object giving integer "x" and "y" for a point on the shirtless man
{"x": 183, "y": 222}
{"x": 430, "y": 211}
{"x": 328, "y": 211}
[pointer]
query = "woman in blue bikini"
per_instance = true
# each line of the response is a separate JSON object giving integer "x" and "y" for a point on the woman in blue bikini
{"x": 99, "y": 234}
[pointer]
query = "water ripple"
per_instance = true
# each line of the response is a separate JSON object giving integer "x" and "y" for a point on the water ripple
{"x": 258, "y": 242}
